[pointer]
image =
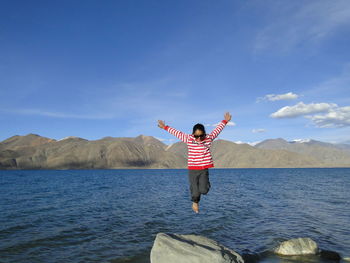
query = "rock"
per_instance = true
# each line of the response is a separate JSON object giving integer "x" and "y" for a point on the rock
{"x": 330, "y": 255}
{"x": 175, "y": 248}
{"x": 297, "y": 246}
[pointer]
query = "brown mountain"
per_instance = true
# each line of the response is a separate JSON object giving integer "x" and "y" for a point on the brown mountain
{"x": 227, "y": 154}
{"x": 77, "y": 153}
{"x": 36, "y": 152}
{"x": 326, "y": 153}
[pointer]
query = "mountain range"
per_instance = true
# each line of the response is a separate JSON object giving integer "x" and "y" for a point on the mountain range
{"x": 33, "y": 151}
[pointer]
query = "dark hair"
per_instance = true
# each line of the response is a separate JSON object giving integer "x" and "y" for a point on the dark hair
{"x": 200, "y": 127}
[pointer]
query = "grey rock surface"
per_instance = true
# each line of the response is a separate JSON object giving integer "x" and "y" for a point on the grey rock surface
{"x": 175, "y": 248}
{"x": 297, "y": 246}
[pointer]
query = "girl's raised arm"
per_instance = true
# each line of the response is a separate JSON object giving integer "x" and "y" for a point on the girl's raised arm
{"x": 218, "y": 129}
{"x": 179, "y": 134}
{"x": 220, "y": 126}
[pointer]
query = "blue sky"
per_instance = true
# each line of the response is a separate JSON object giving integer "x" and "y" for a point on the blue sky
{"x": 114, "y": 68}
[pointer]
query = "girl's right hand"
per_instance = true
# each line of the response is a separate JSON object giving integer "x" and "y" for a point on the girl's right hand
{"x": 161, "y": 124}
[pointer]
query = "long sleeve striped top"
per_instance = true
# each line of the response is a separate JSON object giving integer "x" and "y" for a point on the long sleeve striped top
{"x": 199, "y": 155}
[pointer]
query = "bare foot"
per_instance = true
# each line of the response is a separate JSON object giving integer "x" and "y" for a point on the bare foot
{"x": 195, "y": 207}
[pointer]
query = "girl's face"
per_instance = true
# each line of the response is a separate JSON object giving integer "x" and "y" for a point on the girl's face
{"x": 197, "y": 135}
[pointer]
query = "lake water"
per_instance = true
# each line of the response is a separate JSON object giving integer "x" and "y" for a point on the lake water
{"x": 114, "y": 215}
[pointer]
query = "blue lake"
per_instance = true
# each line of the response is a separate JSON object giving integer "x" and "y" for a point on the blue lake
{"x": 114, "y": 215}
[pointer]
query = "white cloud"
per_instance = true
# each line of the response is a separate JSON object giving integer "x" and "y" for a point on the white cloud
{"x": 336, "y": 117}
{"x": 258, "y": 130}
{"x": 294, "y": 23}
{"x": 230, "y": 123}
{"x": 274, "y": 97}
{"x": 302, "y": 109}
{"x": 333, "y": 117}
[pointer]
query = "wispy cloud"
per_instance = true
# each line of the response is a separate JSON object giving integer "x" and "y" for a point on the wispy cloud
{"x": 301, "y": 22}
{"x": 157, "y": 99}
{"x": 274, "y": 97}
{"x": 154, "y": 98}
{"x": 52, "y": 114}
{"x": 337, "y": 85}
{"x": 258, "y": 130}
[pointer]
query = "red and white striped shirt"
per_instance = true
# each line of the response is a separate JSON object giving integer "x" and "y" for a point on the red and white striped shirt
{"x": 199, "y": 155}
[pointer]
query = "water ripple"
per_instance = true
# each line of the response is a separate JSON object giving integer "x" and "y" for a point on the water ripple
{"x": 114, "y": 215}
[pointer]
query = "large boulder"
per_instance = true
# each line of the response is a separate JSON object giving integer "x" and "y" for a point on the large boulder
{"x": 297, "y": 246}
{"x": 175, "y": 248}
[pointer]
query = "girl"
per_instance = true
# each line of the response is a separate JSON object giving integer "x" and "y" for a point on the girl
{"x": 199, "y": 156}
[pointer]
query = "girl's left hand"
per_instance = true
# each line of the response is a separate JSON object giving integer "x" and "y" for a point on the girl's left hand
{"x": 227, "y": 116}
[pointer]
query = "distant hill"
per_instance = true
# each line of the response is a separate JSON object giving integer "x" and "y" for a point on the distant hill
{"x": 33, "y": 151}
{"x": 327, "y": 153}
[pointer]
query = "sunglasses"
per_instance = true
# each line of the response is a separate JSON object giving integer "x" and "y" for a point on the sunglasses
{"x": 199, "y": 136}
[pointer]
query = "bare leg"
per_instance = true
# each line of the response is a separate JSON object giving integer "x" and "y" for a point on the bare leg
{"x": 195, "y": 207}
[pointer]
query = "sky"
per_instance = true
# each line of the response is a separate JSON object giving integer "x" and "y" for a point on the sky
{"x": 93, "y": 69}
